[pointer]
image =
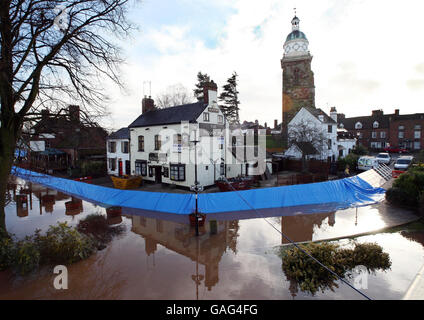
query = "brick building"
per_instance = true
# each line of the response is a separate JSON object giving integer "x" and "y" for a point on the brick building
{"x": 380, "y": 130}
{"x": 70, "y": 134}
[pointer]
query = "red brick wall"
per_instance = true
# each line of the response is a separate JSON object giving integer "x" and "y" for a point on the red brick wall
{"x": 408, "y": 138}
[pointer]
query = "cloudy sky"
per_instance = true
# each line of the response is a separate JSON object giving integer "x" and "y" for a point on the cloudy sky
{"x": 368, "y": 54}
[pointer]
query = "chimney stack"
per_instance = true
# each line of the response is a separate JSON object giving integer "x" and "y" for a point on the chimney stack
{"x": 396, "y": 112}
{"x": 147, "y": 104}
{"x": 74, "y": 113}
{"x": 376, "y": 113}
{"x": 333, "y": 114}
{"x": 45, "y": 114}
{"x": 210, "y": 92}
{"x": 275, "y": 124}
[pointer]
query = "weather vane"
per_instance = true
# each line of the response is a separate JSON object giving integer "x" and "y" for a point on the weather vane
{"x": 294, "y": 11}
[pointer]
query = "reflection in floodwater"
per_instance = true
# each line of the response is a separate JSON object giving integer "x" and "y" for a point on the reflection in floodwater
{"x": 114, "y": 215}
{"x": 207, "y": 249}
{"x": 73, "y": 207}
{"x": 301, "y": 228}
{"x": 229, "y": 260}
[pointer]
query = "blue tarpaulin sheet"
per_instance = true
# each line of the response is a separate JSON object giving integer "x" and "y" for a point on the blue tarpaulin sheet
{"x": 352, "y": 191}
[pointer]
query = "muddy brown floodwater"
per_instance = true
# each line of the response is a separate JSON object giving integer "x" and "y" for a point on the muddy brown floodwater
{"x": 159, "y": 256}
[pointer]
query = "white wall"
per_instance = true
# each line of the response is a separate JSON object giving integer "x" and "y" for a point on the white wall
{"x": 306, "y": 116}
{"x": 348, "y": 144}
{"x": 209, "y": 153}
{"x": 118, "y": 155}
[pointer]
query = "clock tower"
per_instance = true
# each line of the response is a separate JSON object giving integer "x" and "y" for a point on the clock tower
{"x": 298, "y": 78}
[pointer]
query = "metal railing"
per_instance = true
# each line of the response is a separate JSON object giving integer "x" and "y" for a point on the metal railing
{"x": 384, "y": 171}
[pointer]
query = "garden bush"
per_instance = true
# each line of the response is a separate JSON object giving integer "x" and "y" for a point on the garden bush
{"x": 360, "y": 150}
{"x": 63, "y": 245}
{"x": 311, "y": 277}
{"x": 408, "y": 188}
{"x": 26, "y": 257}
{"x": 351, "y": 159}
{"x": 93, "y": 168}
{"x": 6, "y": 250}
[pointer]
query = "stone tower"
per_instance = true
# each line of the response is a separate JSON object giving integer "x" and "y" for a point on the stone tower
{"x": 298, "y": 78}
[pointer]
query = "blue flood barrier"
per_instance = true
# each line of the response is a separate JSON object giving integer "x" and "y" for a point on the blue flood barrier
{"x": 352, "y": 191}
{"x": 344, "y": 192}
{"x": 155, "y": 201}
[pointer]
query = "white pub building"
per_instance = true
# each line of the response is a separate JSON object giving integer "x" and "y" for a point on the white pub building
{"x": 163, "y": 143}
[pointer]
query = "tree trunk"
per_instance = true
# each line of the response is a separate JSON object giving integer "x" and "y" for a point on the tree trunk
{"x": 7, "y": 149}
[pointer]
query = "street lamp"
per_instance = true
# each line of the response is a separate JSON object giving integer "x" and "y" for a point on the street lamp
{"x": 196, "y": 187}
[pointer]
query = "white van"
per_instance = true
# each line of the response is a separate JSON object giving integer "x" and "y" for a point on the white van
{"x": 403, "y": 163}
{"x": 367, "y": 163}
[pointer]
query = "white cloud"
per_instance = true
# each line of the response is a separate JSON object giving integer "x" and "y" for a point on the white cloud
{"x": 380, "y": 41}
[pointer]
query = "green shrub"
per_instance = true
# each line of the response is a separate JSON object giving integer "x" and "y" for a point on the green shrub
{"x": 360, "y": 150}
{"x": 421, "y": 203}
{"x": 63, "y": 245}
{"x": 371, "y": 256}
{"x": 4, "y": 234}
{"x": 6, "y": 253}
{"x": 311, "y": 277}
{"x": 407, "y": 188}
{"x": 26, "y": 257}
{"x": 93, "y": 168}
{"x": 420, "y": 157}
{"x": 351, "y": 159}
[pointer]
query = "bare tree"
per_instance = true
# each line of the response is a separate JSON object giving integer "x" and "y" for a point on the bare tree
{"x": 54, "y": 52}
{"x": 308, "y": 138}
{"x": 174, "y": 95}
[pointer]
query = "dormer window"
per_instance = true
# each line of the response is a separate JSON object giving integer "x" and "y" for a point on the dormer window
{"x": 321, "y": 118}
{"x": 358, "y": 125}
{"x": 375, "y": 124}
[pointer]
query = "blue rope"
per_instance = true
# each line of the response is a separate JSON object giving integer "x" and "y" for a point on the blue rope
{"x": 297, "y": 246}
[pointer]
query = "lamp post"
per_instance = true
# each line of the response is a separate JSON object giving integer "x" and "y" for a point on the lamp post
{"x": 196, "y": 188}
{"x": 244, "y": 131}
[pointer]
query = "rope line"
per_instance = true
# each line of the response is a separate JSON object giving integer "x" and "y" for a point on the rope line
{"x": 296, "y": 245}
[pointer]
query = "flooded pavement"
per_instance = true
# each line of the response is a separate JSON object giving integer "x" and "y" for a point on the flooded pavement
{"x": 159, "y": 256}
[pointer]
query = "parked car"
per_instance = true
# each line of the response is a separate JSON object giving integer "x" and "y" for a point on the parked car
{"x": 395, "y": 150}
{"x": 403, "y": 163}
{"x": 384, "y": 157}
{"x": 367, "y": 163}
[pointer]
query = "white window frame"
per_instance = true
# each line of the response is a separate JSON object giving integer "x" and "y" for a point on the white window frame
{"x": 206, "y": 117}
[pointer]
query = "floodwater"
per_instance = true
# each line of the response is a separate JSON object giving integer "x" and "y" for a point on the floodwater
{"x": 234, "y": 257}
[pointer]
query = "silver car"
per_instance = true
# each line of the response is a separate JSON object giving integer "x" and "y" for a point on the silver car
{"x": 384, "y": 158}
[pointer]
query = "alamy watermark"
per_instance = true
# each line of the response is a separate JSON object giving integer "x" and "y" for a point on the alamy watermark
{"x": 360, "y": 277}
{"x": 60, "y": 282}
{"x": 62, "y": 19}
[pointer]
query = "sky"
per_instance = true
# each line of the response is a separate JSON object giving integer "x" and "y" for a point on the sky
{"x": 367, "y": 54}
